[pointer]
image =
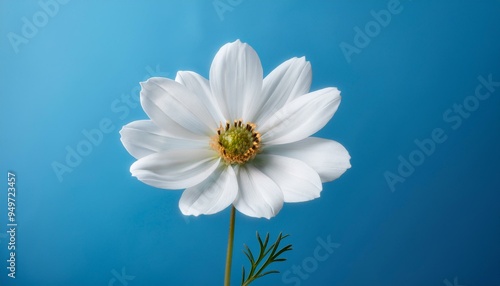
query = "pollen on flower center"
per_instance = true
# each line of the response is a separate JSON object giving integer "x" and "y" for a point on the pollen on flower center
{"x": 236, "y": 143}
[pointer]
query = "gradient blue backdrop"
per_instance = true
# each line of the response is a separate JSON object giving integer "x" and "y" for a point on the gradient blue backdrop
{"x": 441, "y": 226}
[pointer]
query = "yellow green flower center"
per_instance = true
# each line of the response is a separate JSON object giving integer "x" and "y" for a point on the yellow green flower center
{"x": 236, "y": 143}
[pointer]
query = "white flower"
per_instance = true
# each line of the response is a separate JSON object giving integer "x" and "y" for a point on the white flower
{"x": 236, "y": 138}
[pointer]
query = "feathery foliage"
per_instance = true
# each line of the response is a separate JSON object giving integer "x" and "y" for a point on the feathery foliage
{"x": 267, "y": 256}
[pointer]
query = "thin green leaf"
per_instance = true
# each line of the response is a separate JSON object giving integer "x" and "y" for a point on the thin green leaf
{"x": 285, "y": 249}
{"x": 268, "y": 272}
{"x": 267, "y": 256}
{"x": 249, "y": 254}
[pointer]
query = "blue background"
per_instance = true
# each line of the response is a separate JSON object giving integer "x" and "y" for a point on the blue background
{"x": 441, "y": 226}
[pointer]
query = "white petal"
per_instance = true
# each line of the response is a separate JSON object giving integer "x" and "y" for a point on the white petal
{"x": 143, "y": 137}
{"x": 296, "y": 179}
{"x": 288, "y": 81}
{"x": 166, "y": 101}
{"x": 175, "y": 169}
{"x": 301, "y": 117}
{"x": 236, "y": 80}
{"x": 212, "y": 195}
{"x": 201, "y": 87}
{"x": 258, "y": 195}
{"x": 327, "y": 157}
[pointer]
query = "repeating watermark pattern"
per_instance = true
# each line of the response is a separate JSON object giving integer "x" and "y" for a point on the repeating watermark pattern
{"x": 363, "y": 37}
{"x": 121, "y": 278}
{"x": 31, "y": 26}
{"x": 310, "y": 264}
{"x": 455, "y": 282}
{"x": 223, "y": 6}
{"x": 93, "y": 137}
{"x": 454, "y": 117}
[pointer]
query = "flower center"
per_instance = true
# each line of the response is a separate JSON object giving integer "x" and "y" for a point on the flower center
{"x": 236, "y": 143}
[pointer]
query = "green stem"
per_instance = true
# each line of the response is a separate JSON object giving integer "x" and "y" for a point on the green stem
{"x": 229, "y": 256}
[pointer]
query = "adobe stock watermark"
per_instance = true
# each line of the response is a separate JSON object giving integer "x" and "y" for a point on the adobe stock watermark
{"x": 120, "y": 278}
{"x": 30, "y": 27}
{"x": 223, "y": 6}
{"x": 454, "y": 118}
{"x": 363, "y": 36}
{"x": 93, "y": 137}
{"x": 310, "y": 264}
